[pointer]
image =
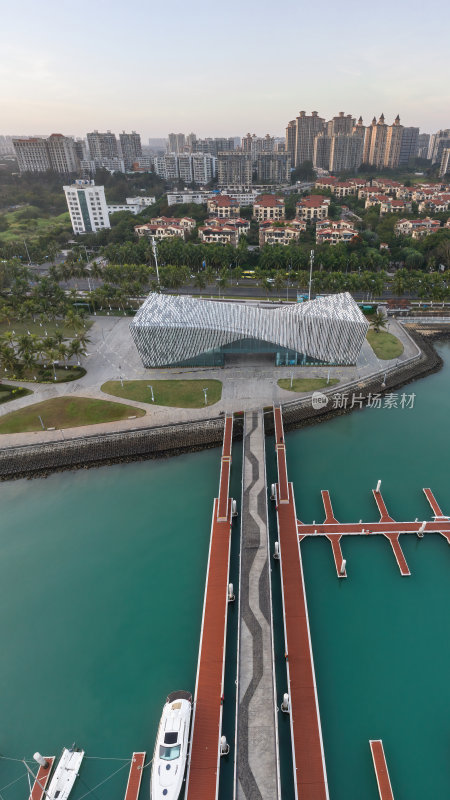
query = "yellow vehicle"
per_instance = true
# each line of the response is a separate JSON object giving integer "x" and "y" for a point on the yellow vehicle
{"x": 248, "y": 273}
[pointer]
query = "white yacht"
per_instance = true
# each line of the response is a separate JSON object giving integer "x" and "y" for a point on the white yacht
{"x": 169, "y": 758}
{"x": 65, "y": 774}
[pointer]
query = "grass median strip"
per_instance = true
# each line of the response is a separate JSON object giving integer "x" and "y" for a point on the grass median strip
{"x": 306, "y": 384}
{"x": 385, "y": 345}
{"x": 65, "y": 412}
{"x": 178, "y": 394}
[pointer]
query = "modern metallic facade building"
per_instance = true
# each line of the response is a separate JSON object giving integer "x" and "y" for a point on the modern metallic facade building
{"x": 171, "y": 330}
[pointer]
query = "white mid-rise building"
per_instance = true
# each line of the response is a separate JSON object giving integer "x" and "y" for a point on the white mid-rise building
{"x": 87, "y": 207}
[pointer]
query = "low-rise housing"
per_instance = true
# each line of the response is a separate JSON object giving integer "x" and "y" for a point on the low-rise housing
{"x": 166, "y": 227}
{"x": 133, "y": 204}
{"x": 268, "y": 207}
{"x": 437, "y": 204}
{"x": 223, "y": 206}
{"x": 334, "y": 231}
{"x": 343, "y": 188}
{"x": 313, "y": 207}
{"x": 281, "y": 232}
{"x": 416, "y": 228}
{"x": 219, "y": 233}
{"x": 326, "y": 183}
{"x": 242, "y": 226}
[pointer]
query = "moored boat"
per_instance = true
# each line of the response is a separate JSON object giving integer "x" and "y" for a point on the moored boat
{"x": 65, "y": 774}
{"x": 171, "y": 746}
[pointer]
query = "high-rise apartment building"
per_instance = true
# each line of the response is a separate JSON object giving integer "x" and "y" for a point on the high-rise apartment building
{"x": 307, "y": 128}
{"x": 185, "y": 167}
{"x": 346, "y": 152}
{"x": 176, "y": 142}
{"x": 234, "y": 169}
{"x": 32, "y": 154}
{"x": 203, "y": 167}
{"x": 343, "y": 123}
{"x": 87, "y": 207}
{"x": 444, "y": 168}
{"x": 6, "y": 146}
{"x": 291, "y": 130}
{"x": 131, "y": 147}
{"x": 321, "y": 151}
{"x": 102, "y": 145}
{"x": 438, "y": 142}
{"x": 409, "y": 147}
{"x": 423, "y": 145}
{"x": 375, "y": 143}
{"x": 273, "y": 168}
{"x": 62, "y": 153}
{"x": 393, "y": 144}
{"x": 215, "y": 146}
{"x": 191, "y": 139}
{"x": 56, "y": 153}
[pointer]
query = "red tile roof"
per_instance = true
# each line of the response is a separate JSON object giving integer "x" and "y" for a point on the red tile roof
{"x": 269, "y": 200}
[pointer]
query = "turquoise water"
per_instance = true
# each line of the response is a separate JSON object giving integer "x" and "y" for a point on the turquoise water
{"x": 102, "y": 575}
{"x": 381, "y": 642}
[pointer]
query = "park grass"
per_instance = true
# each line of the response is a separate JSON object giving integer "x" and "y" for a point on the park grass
{"x": 33, "y": 228}
{"x": 385, "y": 345}
{"x": 66, "y": 412}
{"x": 8, "y": 392}
{"x": 22, "y": 327}
{"x": 177, "y": 394}
{"x": 47, "y": 375}
{"x": 306, "y": 384}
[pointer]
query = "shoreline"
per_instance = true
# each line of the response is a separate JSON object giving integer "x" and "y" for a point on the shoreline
{"x": 96, "y": 450}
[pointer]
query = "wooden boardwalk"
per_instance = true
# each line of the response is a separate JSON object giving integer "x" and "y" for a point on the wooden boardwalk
{"x": 381, "y": 770}
{"x": 42, "y": 779}
{"x": 386, "y": 526}
{"x": 135, "y": 776}
{"x": 310, "y": 777}
{"x": 203, "y": 767}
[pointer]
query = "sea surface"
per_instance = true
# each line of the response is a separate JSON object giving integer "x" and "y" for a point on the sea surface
{"x": 102, "y": 579}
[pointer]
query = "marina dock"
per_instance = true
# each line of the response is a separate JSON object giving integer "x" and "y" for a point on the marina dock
{"x": 203, "y": 767}
{"x": 42, "y": 779}
{"x": 135, "y": 776}
{"x": 256, "y": 754}
{"x": 310, "y": 776}
{"x": 381, "y": 770}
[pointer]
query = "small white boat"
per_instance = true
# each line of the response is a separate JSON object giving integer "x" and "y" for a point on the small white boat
{"x": 65, "y": 774}
{"x": 169, "y": 758}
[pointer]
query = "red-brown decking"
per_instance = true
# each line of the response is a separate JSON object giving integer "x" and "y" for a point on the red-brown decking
{"x": 398, "y": 553}
{"x": 384, "y": 516}
{"x": 434, "y": 503}
{"x": 310, "y": 778}
{"x": 42, "y": 779}
{"x": 381, "y": 770}
{"x": 335, "y": 539}
{"x": 203, "y": 769}
{"x": 135, "y": 776}
{"x": 329, "y": 515}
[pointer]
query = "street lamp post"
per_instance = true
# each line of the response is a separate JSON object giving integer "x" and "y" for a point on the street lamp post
{"x": 205, "y": 392}
{"x": 155, "y": 256}
{"x": 149, "y": 386}
{"x": 311, "y": 261}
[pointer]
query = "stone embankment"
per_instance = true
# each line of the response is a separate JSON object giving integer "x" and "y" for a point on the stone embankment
{"x": 157, "y": 442}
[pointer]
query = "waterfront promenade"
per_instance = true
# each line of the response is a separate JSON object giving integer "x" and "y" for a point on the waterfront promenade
{"x": 256, "y": 760}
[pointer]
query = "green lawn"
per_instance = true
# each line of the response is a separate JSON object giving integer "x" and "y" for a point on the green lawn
{"x": 48, "y": 376}
{"x": 21, "y": 328}
{"x": 66, "y": 412}
{"x": 8, "y": 392}
{"x": 39, "y": 226}
{"x": 179, "y": 394}
{"x": 306, "y": 384}
{"x": 384, "y": 344}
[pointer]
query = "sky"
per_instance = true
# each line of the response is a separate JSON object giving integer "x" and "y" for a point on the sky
{"x": 220, "y": 69}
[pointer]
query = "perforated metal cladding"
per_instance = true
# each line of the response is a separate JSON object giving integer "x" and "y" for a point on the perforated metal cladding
{"x": 169, "y": 329}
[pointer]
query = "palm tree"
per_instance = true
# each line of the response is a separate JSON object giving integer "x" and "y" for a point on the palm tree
{"x": 279, "y": 282}
{"x": 76, "y": 349}
{"x": 378, "y": 321}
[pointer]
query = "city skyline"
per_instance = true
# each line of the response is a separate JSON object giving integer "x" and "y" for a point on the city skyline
{"x": 62, "y": 75}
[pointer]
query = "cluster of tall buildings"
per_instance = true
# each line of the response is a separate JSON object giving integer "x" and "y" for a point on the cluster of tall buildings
{"x": 67, "y": 155}
{"x": 343, "y": 143}
{"x": 336, "y": 145}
